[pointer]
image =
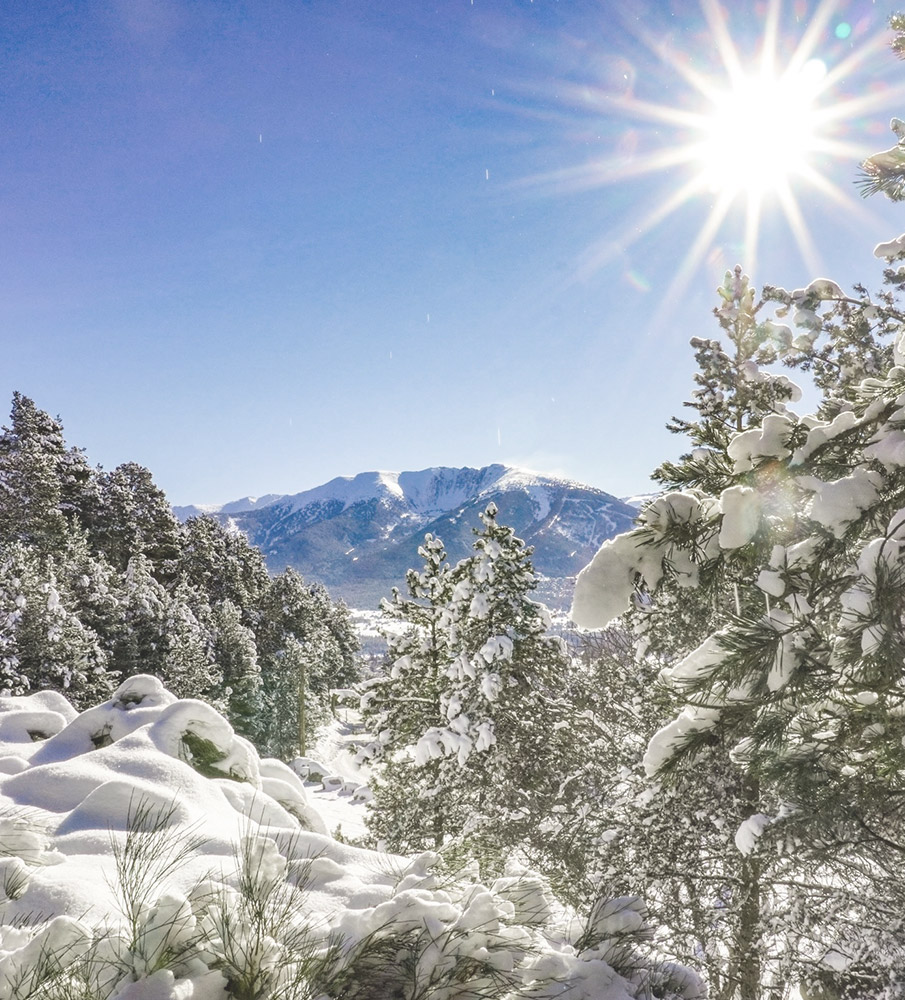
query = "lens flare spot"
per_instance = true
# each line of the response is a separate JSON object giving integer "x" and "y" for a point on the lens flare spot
{"x": 637, "y": 280}
{"x": 843, "y": 29}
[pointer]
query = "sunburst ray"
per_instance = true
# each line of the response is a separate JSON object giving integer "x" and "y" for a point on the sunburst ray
{"x": 792, "y": 115}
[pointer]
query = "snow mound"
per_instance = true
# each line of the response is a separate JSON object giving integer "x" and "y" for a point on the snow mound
{"x": 149, "y": 853}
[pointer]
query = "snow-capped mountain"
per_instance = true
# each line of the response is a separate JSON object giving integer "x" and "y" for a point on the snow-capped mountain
{"x": 359, "y": 534}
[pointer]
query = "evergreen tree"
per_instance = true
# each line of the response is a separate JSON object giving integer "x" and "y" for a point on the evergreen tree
{"x": 189, "y": 667}
{"x": 223, "y": 565}
{"x": 32, "y": 460}
{"x": 510, "y": 680}
{"x": 676, "y": 841}
{"x": 472, "y": 714}
{"x": 673, "y": 842}
{"x": 236, "y": 656}
{"x": 102, "y": 582}
{"x": 768, "y": 582}
{"x": 43, "y": 643}
{"x": 141, "y": 644}
{"x": 336, "y": 661}
{"x": 167, "y": 634}
{"x": 885, "y": 172}
{"x": 132, "y": 517}
{"x": 306, "y": 647}
{"x": 94, "y": 593}
{"x": 403, "y": 703}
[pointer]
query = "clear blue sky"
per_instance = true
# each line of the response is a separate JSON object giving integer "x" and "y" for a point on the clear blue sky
{"x": 253, "y": 246}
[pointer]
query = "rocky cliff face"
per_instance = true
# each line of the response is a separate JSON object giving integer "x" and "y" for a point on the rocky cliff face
{"x": 358, "y": 535}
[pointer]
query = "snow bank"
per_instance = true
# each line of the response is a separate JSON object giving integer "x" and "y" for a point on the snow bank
{"x": 141, "y": 836}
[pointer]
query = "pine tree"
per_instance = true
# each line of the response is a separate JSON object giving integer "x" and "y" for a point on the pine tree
{"x": 236, "y": 656}
{"x": 885, "y": 172}
{"x": 189, "y": 667}
{"x": 32, "y": 455}
{"x": 403, "y": 703}
{"x": 688, "y": 572}
{"x": 510, "y": 680}
{"x": 127, "y": 589}
{"x": 769, "y": 583}
{"x": 224, "y": 565}
{"x": 94, "y": 593}
{"x": 306, "y": 647}
{"x": 472, "y": 713}
{"x": 131, "y": 518}
{"x": 141, "y": 644}
{"x": 672, "y": 842}
{"x": 43, "y": 643}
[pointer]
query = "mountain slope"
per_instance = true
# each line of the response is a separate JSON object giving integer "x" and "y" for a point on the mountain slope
{"x": 359, "y": 535}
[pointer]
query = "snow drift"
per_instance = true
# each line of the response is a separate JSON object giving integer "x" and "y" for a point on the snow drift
{"x": 148, "y": 853}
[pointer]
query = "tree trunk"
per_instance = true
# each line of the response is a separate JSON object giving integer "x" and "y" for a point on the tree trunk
{"x": 302, "y": 721}
{"x": 747, "y": 942}
{"x": 745, "y": 966}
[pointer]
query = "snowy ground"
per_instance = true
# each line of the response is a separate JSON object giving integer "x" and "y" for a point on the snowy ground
{"x": 341, "y": 797}
{"x": 149, "y": 853}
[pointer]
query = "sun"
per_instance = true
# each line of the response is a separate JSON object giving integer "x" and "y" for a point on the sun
{"x": 762, "y": 132}
{"x": 750, "y": 136}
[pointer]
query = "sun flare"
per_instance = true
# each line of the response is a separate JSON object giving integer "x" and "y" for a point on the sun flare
{"x": 752, "y": 131}
{"x": 761, "y": 132}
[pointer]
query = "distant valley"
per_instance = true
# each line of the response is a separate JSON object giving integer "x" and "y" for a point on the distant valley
{"x": 358, "y": 535}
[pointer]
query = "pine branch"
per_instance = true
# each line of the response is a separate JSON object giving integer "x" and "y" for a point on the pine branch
{"x": 891, "y": 183}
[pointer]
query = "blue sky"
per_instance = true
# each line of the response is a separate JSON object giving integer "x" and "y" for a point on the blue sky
{"x": 254, "y": 246}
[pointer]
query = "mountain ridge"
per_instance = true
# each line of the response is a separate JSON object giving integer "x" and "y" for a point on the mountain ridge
{"x": 359, "y": 534}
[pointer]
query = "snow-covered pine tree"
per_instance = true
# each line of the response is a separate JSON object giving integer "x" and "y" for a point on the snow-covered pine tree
{"x": 189, "y": 668}
{"x": 790, "y": 536}
{"x": 236, "y": 656}
{"x": 508, "y": 694}
{"x": 32, "y": 459}
{"x": 473, "y": 712}
{"x": 131, "y": 517}
{"x": 401, "y": 704}
{"x": 306, "y": 646}
{"x": 169, "y": 634}
{"x": 231, "y": 574}
{"x": 686, "y": 576}
{"x": 224, "y": 565}
{"x": 673, "y": 842}
{"x": 43, "y": 643}
{"x": 93, "y": 592}
{"x": 188, "y": 603}
{"x": 141, "y": 642}
{"x": 336, "y": 663}
{"x": 884, "y": 172}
